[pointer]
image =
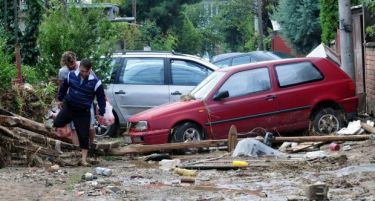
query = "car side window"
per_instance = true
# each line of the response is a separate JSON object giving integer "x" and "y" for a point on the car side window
{"x": 241, "y": 60}
{"x": 223, "y": 63}
{"x": 247, "y": 82}
{"x": 297, "y": 73}
{"x": 143, "y": 71}
{"x": 188, "y": 73}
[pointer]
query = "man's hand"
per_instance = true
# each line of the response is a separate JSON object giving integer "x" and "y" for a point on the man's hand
{"x": 59, "y": 104}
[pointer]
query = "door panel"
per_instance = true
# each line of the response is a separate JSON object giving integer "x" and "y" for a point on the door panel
{"x": 141, "y": 85}
{"x": 251, "y": 103}
{"x": 185, "y": 75}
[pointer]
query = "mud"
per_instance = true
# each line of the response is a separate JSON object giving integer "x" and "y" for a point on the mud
{"x": 349, "y": 178}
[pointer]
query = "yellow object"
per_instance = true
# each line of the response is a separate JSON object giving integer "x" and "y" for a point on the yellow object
{"x": 240, "y": 163}
{"x": 185, "y": 172}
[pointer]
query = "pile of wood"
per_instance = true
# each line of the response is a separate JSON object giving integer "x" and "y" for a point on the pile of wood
{"x": 26, "y": 142}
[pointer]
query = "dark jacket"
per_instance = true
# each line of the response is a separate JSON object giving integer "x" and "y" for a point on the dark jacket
{"x": 81, "y": 95}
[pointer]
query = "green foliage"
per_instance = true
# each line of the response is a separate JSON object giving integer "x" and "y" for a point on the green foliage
{"x": 87, "y": 32}
{"x": 370, "y": 4}
{"x": 300, "y": 24}
{"x": 152, "y": 35}
{"x": 7, "y": 69}
{"x": 329, "y": 19}
{"x": 235, "y": 23}
{"x": 165, "y": 13}
{"x": 189, "y": 38}
{"x": 29, "y": 49}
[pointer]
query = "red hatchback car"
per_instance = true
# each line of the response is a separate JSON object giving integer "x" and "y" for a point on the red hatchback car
{"x": 280, "y": 95}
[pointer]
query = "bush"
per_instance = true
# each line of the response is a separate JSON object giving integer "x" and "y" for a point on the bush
{"x": 7, "y": 69}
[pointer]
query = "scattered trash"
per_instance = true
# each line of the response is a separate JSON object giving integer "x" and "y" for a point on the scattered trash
{"x": 315, "y": 155}
{"x": 240, "y": 163}
{"x": 268, "y": 138}
{"x": 251, "y": 147}
{"x": 103, "y": 171}
{"x": 157, "y": 157}
{"x": 187, "y": 180}
{"x": 334, "y": 147}
{"x": 284, "y": 146}
{"x": 88, "y": 176}
{"x": 166, "y": 164}
{"x": 346, "y": 147}
{"x": 185, "y": 172}
{"x": 353, "y": 128}
{"x": 317, "y": 191}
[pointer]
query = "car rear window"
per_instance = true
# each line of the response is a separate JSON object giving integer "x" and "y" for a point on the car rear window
{"x": 223, "y": 63}
{"x": 297, "y": 73}
{"x": 143, "y": 71}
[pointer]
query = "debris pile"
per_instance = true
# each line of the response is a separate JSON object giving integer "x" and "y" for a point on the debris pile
{"x": 26, "y": 142}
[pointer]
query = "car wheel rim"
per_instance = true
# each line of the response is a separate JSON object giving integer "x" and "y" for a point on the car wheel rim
{"x": 328, "y": 123}
{"x": 191, "y": 134}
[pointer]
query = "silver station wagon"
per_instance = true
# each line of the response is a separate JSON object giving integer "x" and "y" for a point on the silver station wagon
{"x": 142, "y": 80}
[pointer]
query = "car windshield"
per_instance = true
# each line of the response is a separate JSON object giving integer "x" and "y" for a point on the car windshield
{"x": 204, "y": 88}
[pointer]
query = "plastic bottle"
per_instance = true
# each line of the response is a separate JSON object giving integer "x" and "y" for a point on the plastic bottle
{"x": 240, "y": 163}
{"x": 103, "y": 171}
{"x": 167, "y": 164}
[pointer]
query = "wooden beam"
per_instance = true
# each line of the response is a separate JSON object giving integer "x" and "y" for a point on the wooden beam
{"x": 328, "y": 138}
{"x": 232, "y": 138}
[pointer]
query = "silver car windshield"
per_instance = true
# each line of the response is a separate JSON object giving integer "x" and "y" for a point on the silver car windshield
{"x": 204, "y": 88}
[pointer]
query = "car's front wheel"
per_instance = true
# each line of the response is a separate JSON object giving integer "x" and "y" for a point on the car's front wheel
{"x": 327, "y": 121}
{"x": 187, "y": 132}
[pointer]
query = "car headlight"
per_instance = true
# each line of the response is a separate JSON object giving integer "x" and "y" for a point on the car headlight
{"x": 141, "y": 126}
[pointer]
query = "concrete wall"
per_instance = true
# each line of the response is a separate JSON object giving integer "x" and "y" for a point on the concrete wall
{"x": 370, "y": 77}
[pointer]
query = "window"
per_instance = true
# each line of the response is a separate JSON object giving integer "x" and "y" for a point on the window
{"x": 241, "y": 60}
{"x": 297, "y": 73}
{"x": 246, "y": 82}
{"x": 143, "y": 71}
{"x": 188, "y": 73}
{"x": 223, "y": 63}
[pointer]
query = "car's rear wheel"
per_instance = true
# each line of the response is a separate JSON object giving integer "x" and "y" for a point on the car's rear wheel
{"x": 327, "y": 121}
{"x": 187, "y": 132}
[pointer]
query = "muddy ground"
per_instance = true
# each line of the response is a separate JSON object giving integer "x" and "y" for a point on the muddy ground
{"x": 349, "y": 174}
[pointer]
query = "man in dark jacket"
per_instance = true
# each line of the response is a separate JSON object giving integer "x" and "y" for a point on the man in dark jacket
{"x": 76, "y": 95}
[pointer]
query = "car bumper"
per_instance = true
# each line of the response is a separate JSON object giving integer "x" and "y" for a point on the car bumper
{"x": 350, "y": 105}
{"x": 150, "y": 137}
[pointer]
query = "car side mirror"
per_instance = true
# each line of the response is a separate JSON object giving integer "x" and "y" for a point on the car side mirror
{"x": 221, "y": 95}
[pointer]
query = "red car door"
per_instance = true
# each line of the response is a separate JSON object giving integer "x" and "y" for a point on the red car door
{"x": 251, "y": 103}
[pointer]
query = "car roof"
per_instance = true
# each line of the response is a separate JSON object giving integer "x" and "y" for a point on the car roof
{"x": 267, "y": 63}
{"x": 258, "y": 55}
{"x": 164, "y": 54}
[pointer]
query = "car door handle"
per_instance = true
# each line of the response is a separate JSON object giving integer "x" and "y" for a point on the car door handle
{"x": 270, "y": 97}
{"x": 176, "y": 93}
{"x": 120, "y": 92}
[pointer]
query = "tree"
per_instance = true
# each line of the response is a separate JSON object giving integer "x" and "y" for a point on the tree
{"x": 189, "y": 38}
{"x": 329, "y": 19}
{"x": 164, "y": 12}
{"x": 300, "y": 24}
{"x": 29, "y": 49}
{"x": 87, "y": 32}
{"x": 235, "y": 22}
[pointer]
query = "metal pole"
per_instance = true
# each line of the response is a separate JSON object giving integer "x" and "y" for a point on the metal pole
{"x": 260, "y": 24}
{"x": 17, "y": 46}
{"x": 134, "y": 10}
{"x": 346, "y": 47}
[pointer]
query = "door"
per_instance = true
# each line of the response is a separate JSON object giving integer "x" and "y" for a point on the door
{"x": 251, "y": 103}
{"x": 141, "y": 85}
{"x": 185, "y": 75}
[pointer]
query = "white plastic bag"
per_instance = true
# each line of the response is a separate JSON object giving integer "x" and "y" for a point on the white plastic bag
{"x": 109, "y": 118}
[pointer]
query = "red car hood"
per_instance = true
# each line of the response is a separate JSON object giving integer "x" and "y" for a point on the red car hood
{"x": 168, "y": 108}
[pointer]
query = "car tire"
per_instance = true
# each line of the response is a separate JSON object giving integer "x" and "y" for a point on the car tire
{"x": 327, "y": 121}
{"x": 187, "y": 132}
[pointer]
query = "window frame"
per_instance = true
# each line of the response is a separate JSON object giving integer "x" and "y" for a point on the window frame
{"x": 299, "y": 83}
{"x": 251, "y": 93}
{"x": 124, "y": 64}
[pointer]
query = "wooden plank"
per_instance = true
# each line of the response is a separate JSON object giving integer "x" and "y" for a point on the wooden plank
{"x": 232, "y": 138}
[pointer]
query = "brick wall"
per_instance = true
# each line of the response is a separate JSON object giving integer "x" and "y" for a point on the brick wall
{"x": 370, "y": 77}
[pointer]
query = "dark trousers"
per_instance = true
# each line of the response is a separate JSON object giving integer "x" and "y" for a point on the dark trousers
{"x": 81, "y": 119}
